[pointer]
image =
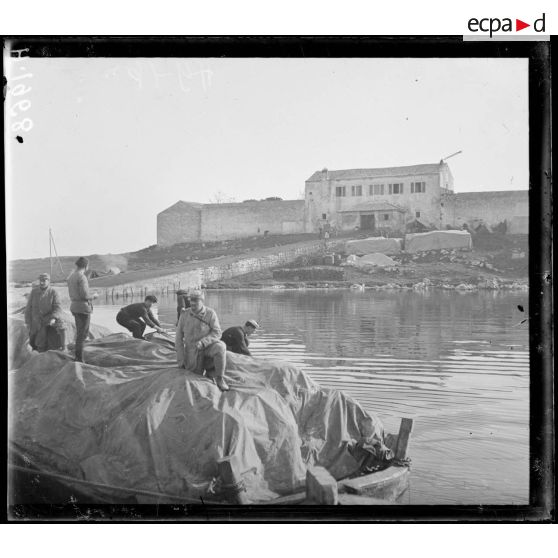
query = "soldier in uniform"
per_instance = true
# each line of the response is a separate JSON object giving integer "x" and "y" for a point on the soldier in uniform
{"x": 236, "y": 337}
{"x": 198, "y": 341}
{"x": 43, "y": 317}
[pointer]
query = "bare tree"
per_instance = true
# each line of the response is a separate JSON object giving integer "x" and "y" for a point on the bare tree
{"x": 221, "y": 197}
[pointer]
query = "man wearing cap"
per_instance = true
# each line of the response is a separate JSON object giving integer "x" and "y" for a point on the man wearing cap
{"x": 182, "y": 302}
{"x": 82, "y": 305}
{"x": 136, "y": 317}
{"x": 236, "y": 337}
{"x": 43, "y": 317}
{"x": 198, "y": 341}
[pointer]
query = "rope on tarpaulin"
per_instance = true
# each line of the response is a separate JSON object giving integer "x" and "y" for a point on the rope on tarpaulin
{"x": 133, "y": 491}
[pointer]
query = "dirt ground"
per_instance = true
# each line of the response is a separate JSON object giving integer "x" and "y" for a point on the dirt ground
{"x": 495, "y": 259}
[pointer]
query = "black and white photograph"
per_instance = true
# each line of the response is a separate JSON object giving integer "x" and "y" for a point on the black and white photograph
{"x": 269, "y": 281}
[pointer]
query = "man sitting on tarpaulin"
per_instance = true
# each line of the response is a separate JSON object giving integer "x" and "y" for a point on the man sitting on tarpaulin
{"x": 198, "y": 344}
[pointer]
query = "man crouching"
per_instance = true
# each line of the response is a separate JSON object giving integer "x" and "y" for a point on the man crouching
{"x": 198, "y": 341}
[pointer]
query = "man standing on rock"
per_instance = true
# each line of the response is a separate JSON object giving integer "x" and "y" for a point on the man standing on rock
{"x": 236, "y": 337}
{"x": 43, "y": 317}
{"x": 81, "y": 306}
{"x": 198, "y": 341}
{"x": 136, "y": 317}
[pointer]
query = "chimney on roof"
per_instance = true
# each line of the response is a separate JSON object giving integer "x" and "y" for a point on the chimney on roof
{"x": 325, "y": 172}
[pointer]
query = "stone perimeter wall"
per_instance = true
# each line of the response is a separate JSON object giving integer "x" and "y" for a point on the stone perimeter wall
{"x": 187, "y": 222}
{"x": 490, "y": 208}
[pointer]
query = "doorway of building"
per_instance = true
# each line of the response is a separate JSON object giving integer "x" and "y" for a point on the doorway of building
{"x": 367, "y": 222}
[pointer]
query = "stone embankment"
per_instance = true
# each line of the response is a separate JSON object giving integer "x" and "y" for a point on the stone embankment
{"x": 187, "y": 276}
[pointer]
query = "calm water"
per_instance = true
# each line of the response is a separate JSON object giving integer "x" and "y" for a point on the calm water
{"x": 457, "y": 363}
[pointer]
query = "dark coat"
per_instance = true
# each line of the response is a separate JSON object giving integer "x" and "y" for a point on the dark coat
{"x": 236, "y": 340}
{"x": 140, "y": 310}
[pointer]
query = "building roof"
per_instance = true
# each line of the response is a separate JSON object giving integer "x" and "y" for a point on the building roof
{"x": 433, "y": 168}
{"x": 251, "y": 202}
{"x": 373, "y": 206}
{"x": 182, "y": 205}
{"x": 179, "y": 205}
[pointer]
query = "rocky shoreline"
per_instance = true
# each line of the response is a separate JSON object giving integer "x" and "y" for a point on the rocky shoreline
{"x": 426, "y": 284}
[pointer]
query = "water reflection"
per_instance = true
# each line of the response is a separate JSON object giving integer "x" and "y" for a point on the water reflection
{"x": 456, "y": 362}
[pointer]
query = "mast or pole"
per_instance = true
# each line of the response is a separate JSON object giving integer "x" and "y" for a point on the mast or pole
{"x": 50, "y": 250}
{"x": 56, "y": 254}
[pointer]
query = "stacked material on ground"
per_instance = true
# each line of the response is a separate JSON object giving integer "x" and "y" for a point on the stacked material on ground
{"x": 438, "y": 240}
{"x": 370, "y": 261}
{"x": 130, "y": 419}
{"x": 373, "y": 245}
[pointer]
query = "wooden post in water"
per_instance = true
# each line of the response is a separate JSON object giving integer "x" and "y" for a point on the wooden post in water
{"x": 229, "y": 471}
{"x": 403, "y": 439}
{"x": 321, "y": 487}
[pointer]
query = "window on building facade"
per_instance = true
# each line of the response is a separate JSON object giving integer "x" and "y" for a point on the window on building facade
{"x": 340, "y": 191}
{"x": 417, "y": 214}
{"x": 376, "y": 189}
{"x": 396, "y": 188}
{"x": 418, "y": 187}
{"x": 324, "y": 216}
{"x": 386, "y": 216}
{"x": 356, "y": 190}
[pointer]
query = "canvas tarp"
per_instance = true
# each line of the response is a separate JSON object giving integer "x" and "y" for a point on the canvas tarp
{"x": 372, "y": 245}
{"x": 437, "y": 240}
{"x": 19, "y": 350}
{"x": 130, "y": 418}
{"x": 370, "y": 261}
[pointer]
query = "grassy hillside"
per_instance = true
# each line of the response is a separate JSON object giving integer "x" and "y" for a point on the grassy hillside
{"x": 153, "y": 257}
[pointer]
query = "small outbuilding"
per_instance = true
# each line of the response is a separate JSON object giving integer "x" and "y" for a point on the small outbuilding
{"x": 438, "y": 240}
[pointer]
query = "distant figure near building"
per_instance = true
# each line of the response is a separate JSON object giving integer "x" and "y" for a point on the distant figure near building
{"x": 136, "y": 317}
{"x": 81, "y": 306}
{"x": 236, "y": 337}
{"x": 182, "y": 302}
{"x": 43, "y": 317}
{"x": 198, "y": 341}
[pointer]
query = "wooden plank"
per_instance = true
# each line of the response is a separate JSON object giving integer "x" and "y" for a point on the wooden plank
{"x": 357, "y": 500}
{"x": 321, "y": 487}
{"x": 379, "y": 478}
{"x": 388, "y": 484}
{"x": 288, "y": 500}
{"x": 403, "y": 439}
{"x": 229, "y": 471}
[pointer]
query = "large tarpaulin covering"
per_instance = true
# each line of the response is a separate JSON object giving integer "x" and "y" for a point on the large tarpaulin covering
{"x": 372, "y": 245}
{"x": 130, "y": 418}
{"x": 437, "y": 240}
{"x": 370, "y": 261}
{"x": 19, "y": 350}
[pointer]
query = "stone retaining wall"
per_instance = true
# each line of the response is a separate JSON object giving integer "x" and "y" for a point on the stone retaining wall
{"x": 216, "y": 269}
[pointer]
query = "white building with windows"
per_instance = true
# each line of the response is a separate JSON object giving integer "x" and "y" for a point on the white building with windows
{"x": 382, "y": 199}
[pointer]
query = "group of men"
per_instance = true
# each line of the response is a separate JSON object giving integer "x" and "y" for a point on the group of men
{"x": 201, "y": 345}
{"x": 43, "y": 312}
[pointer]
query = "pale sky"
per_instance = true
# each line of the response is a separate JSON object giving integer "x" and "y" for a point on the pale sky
{"x": 115, "y": 141}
